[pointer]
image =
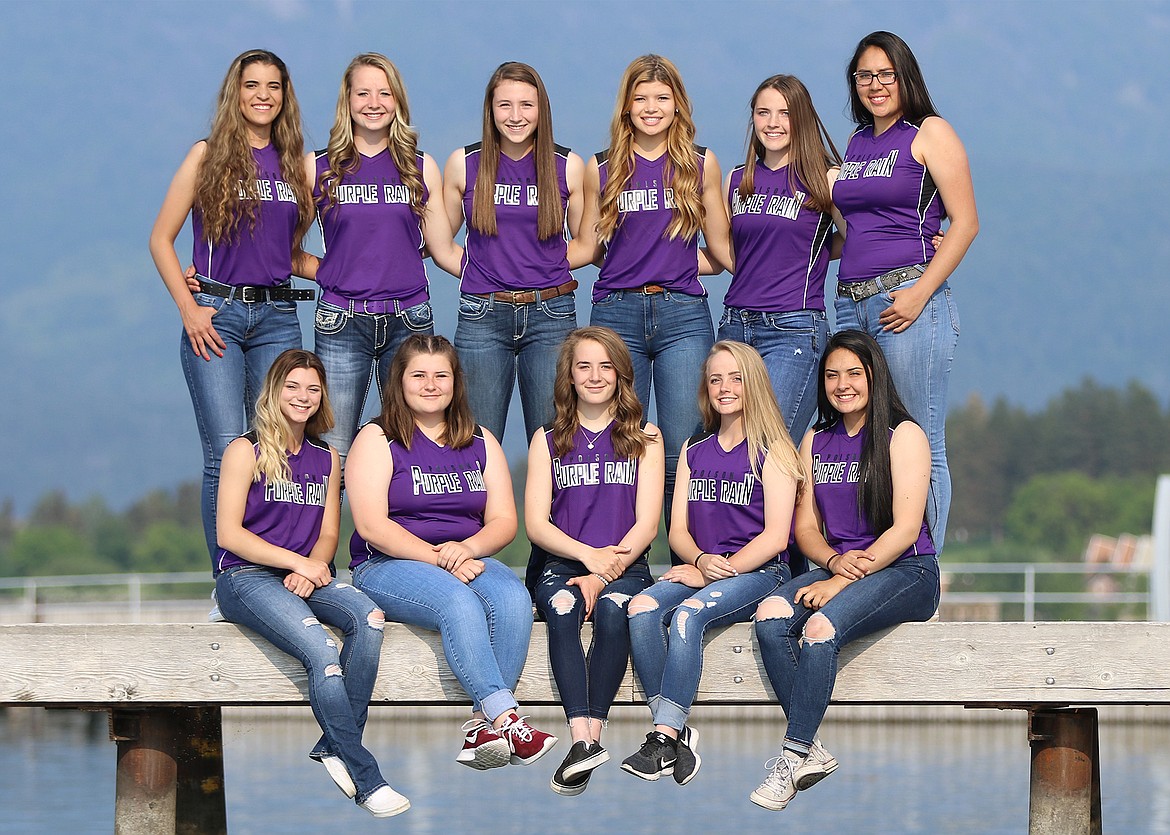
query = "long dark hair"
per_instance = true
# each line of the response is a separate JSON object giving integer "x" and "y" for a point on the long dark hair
{"x": 915, "y": 98}
{"x": 875, "y": 488}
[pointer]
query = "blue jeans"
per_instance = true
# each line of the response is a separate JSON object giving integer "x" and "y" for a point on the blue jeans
{"x": 587, "y": 683}
{"x": 224, "y": 389}
{"x": 791, "y": 345}
{"x": 339, "y": 685}
{"x": 802, "y": 671}
{"x": 667, "y": 641}
{"x": 498, "y": 341}
{"x": 669, "y": 336}
{"x": 356, "y": 348}
{"x": 920, "y": 359}
{"x": 485, "y": 625}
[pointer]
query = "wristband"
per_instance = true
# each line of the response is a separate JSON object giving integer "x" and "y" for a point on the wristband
{"x": 699, "y": 557}
{"x": 829, "y": 564}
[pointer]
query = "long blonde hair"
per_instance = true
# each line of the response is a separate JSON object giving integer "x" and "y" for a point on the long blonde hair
{"x": 550, "y": 215}
{"x": 271, "y": 427}
{"x": 629, "y": 440}
{"x": 341, "y": 152}
{"x": 228, "y": 167}
{"x": 767, "y": 436}
{"x": 681, "y": 170}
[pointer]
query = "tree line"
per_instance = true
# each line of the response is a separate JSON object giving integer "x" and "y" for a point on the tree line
{"x": 1027, "y": 486}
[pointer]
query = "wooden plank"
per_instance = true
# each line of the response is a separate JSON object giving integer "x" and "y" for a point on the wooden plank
{"x": 931, "y": 663}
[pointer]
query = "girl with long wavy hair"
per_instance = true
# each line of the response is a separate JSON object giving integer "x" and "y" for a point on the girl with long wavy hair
{"x": 431, "y": 497}
{"x": 519, "y": 192}
{"x": 863, "y": 526}
{"x": 648, "y": 197}
{"x": 379, "y": 202}
{"x": 737, "y": 484}
{"x": 780, "y": 202}
{"x": 250, "y": 203}
{"x": 592, "y": 505}
{"x": 278, "y": 518}
{"x": 905, "y": 171}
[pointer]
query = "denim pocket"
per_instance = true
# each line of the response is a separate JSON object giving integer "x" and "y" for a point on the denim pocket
{"x": 329, "y": 319}
{"x": 685, "y": 298}
{"x": 419, "y": 318}
{"x": 608, "y": 300}
{"x": 208, "y": 300}
{"x": 562, "y": 307}
{"x": 473, "y": 307}
{"x": 284, "y": 307}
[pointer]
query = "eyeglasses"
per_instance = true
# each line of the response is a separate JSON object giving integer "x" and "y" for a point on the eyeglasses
{"x": 864, "y": 78}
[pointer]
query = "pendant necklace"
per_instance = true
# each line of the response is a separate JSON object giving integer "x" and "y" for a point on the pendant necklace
{"x": 590, "y": 441}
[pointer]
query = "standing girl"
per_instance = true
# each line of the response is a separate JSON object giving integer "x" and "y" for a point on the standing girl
{"x": 278, "y": 518}
{"x": 432, "y": 500}
{"x": 379, "y": 200}
{"x": 250, "y": 205}
{"x": 904, "y": 171}
{"x": 863, "y": 525}
{"x": 733, "y": 500}
{"x": 518, "y": 191}
{"x": 780, "y": 202}
{"x": 648, "y": 198}
{"x": 593, "y": 501}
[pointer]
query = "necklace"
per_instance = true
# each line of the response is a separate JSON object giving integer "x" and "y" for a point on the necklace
{"x": 590, "y": 441}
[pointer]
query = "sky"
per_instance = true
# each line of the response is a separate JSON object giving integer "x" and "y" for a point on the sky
{"x": 1060, "y": 105}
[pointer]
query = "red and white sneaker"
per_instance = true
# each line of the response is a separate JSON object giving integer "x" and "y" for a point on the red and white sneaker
{"x": 483, "y": 746}
{"x": 527, "y": 743}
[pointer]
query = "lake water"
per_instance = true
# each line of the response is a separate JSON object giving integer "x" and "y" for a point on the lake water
{"x": 57, "y": 775}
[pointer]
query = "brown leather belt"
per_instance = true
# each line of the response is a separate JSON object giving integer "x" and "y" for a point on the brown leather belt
{"x": 530, "y": 296}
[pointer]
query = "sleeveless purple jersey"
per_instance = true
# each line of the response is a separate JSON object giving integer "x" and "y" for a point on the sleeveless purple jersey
{"x": 437, "y": 493}
{"x": 262, "y": 256}
{"x": 725, "y": 501}
{"x": 890, "y": 204}
{"x": 640, "y": 252}
{"x": 373, "y": 240}
{"x": 781, "y": 246}
{"x": 287, "y": 513}
{"x": 516, "y": 258}
{"x": 594, "y": 492}
{"x": 836, "y": 462}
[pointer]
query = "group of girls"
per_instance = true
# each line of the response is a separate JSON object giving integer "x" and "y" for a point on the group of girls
{"x": 428, "y": 484}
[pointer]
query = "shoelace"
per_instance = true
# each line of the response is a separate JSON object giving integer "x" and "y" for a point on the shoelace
{"x": 473, "y": 726}
{"x": 780, "y": 770}
{"x": 519, "y": 727}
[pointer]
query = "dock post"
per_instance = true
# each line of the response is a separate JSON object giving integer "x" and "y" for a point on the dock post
{"x": 200, "y": 806}
{"x": 144, "y": 802}
{"x": 1065, "y": 794}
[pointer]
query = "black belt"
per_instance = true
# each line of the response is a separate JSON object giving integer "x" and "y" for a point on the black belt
{"x": 251, "y": 293}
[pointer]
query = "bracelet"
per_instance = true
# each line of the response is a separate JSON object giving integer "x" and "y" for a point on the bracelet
{"x": 699, "y": 557}
{"x": 829, "y": 564}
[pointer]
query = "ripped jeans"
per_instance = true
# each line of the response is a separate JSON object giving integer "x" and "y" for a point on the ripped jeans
{"x": 340, "y": 685}
{"x": 667, "y": 639}
{"x": 587, "y": 683}
{"x": 802, "y": 671}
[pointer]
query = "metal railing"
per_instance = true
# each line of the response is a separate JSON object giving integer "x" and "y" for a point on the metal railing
{"x": 1029, "y": 596}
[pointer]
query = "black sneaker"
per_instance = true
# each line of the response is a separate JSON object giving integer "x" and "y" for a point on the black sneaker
{"x": 655, "y": 758}
{"x": 686, "y": 766}
{"x": 572, "y": 777}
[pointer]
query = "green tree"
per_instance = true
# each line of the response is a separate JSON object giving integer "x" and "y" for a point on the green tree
{"x": 52, "y": 549}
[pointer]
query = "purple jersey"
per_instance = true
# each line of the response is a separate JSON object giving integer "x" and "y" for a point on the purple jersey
{"x": 640, "y": 252}
{"x": 836, "y": 463}
{"x": 594, "y": 495}
{"x": 260, "y": 256}
{"x": 725, "y": 500}
{"x": 781, "y": 245}
{"x": 515, "y": 258}
{"x": 889, "y": 201}
{"x": 437, "y": 493}
{"x": 287, "y": 513}
{"x": 372, "y": 237}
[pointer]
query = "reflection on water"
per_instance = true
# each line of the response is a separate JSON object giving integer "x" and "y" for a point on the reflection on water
{"x": 57, "y": 774}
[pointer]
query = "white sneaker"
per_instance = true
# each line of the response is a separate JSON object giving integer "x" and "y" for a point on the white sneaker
{"x": 385, "y": 803}
{"x": 778, "y": 787}
{"x": 215, "y": 615}
{"x": 818, "y": 765}
{"x": 340, "y": 774}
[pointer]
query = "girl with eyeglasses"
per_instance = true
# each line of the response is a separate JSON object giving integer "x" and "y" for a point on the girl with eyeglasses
{"x": 904, "y": 172}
